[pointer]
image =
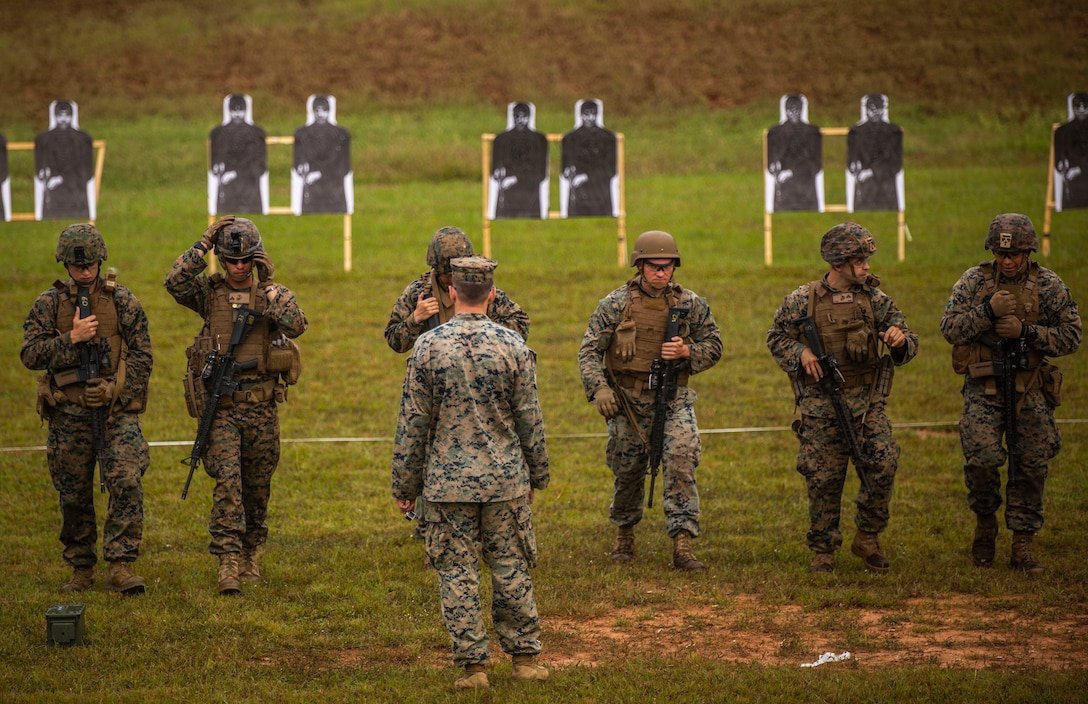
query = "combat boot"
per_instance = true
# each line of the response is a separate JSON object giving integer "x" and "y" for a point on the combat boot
{"x": 527, "y": 669}
{"x": 82, "y": 578}
{"x": 1021, "y": 553}
{"x": 624, "y": 549}
{"x": 248, "y": 570}
{"x": 121, "y": 579}
{"x": 682, "y": 558}
{"x": 984, "y": 547}
{"x": 228, "y": 574}
{"x": 868, "y": 549}
{"x": 474, "y": 677}
{"x": 822, "y": 562}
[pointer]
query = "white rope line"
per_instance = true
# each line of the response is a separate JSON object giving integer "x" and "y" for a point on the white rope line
{"x": 556, "y": 436}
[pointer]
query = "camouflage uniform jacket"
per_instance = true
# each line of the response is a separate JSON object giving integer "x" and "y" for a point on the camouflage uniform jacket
{"x": 698, "y": 329}
{"x": 45, "y": 349}
{"x": 1058, "y": 331}
{"x": 470, "y": 428}
{"x": 786, "y": 343}
{"x": 185, "y": 283}
{"x": 402, "y": 330}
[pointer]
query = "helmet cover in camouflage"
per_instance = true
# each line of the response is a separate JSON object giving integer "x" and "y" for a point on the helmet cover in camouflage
{"x": 81, "y": 244}
{"x": 845, "y": 242}
{"x": 239, "y": 239}
{"x": 1012, "y": 232}
{"x": 447, "y": 243}
{"x": 655, "y": 244}
{"x": 478, "y": 270}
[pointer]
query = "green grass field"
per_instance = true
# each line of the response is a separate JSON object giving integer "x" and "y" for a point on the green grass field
{"x": 346, "y": 611}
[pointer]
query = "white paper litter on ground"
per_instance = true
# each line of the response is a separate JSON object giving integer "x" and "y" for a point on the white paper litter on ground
{"x": 828, "y": 657}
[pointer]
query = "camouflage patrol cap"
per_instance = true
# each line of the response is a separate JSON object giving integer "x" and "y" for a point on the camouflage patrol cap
{"x": 447, "y": 243}
{"x": 81, "y": 243}
{"x": 1012, "y": 232}
{"x": 846, "y": 241}
{"x": 239, "y": 239}
{"x": 473, "y": 270}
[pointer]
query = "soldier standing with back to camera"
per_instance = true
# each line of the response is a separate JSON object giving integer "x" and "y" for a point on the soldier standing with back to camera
{"x": 244, "y": 445}
{"x": 625, "y": 334}
{"x": 114, "y": 333}
{"x": 852, "y": 317}
{"x": 1010, "y": 301}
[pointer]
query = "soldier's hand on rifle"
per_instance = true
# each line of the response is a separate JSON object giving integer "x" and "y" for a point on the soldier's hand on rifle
{"x": 1002, "y": 303}
{"x": 675, "y": 349}
{"x": 624, "y": 345}
{"x": 265, "y": 268}
{"x": 1008, "y": 327}
{"x": 607, "y": 404}
{"x": 425, "y": 308}
{"x": 211, "y": 235}
{"x": 99, "y": 393}
{"x": 811, "y": 364}
{"x": 83, "y": 329}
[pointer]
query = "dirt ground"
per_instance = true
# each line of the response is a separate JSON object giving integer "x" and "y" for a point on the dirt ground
{"x": 955, "y": 632}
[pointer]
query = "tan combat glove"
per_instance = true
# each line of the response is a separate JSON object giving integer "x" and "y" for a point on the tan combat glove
{"x": 624, "y": 344}
{"x": 1002, "y": 303}
{"x": 1008, "y": 327}
{"x": 607, "y": 403}
{"x": 99, "y": 393}
{"x": 265, "y": 269}
{"x": 211, "y": 235}
{"x": 857, "y": 342}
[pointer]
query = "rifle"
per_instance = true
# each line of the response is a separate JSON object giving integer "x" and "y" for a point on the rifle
{"x": 1010, "y": 356}
{"x": 218, "y": 378}
{"x": 831, "y": 384}
{"x": 93, "y": 358}
{"x": 663, "y": 380}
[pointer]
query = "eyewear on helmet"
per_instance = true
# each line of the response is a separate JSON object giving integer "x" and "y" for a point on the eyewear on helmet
{"x": 654, "y": 266}
{"x": 235, "y": 261}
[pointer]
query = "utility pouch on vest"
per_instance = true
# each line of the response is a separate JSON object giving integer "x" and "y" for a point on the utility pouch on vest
{"x": 963, "y": 356}
{"x": 285, "y": 358}
{"x": 196, "y": 394}
{"x": 1052, "y": 385}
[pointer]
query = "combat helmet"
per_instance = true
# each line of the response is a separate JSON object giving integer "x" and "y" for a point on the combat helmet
{"x": 239, "y": 239}
{"x": 845, "y": 242}
{"x": 81, "y": 244}
{"x": 655, "y": 244}
{"x": 447, "y": 243}
{"x": 1012, "y": 232}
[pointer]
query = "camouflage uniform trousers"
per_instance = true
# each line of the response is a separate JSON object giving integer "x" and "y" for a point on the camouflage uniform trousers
{"x": 243, "y": 451}
{"x": 456, "y": 535}
{"x": 981, "y": 428}
{"x": 71, "y": 457}
{"x": 823, "y": 459}
{"x": 628, "y": 459}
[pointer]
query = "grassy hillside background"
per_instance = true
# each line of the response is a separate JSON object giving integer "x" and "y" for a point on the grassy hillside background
{"x": 346, "y": 613}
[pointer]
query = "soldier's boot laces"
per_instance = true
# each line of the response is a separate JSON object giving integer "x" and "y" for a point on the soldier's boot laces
{"x": 682, "y": 557}
{"x": 527, "y": 669}
{"x": 82, "y": 578}
{"x": 822, "y": 562}
{"x": 248, "y": 569}
{"x": 121, "y": 579}
{"x": 867, "y": 548}
{"x": 984, "y": 546}
{"x": 228, "y": 574}
{"x": 1021, "y": 554}
{"x": 474, "y": 677}
{"x": 624, "y": 549}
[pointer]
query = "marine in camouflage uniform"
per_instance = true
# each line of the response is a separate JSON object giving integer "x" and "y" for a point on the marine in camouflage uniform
{"x": 1009, "y": 301}
{"x": 470, "y": 441}
{"x": 54, "y": 337}
{"x": 854, "y": 319}
{"x": 428, "y": 296}
{"x": 244, "y": 445}
{"x": 625, "y": 334}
